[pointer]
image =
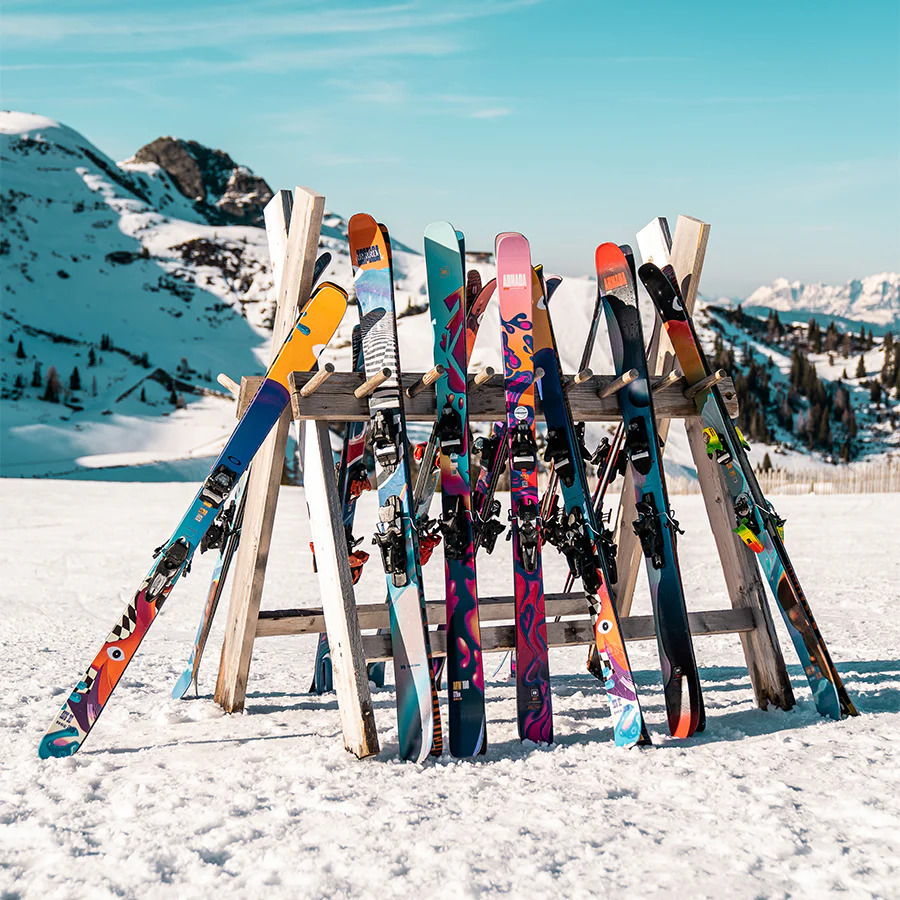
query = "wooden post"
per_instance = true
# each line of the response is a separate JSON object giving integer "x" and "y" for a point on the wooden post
{"x": 765, "y": 662}
{"x": 293, "y": 283}
{"x": 348, "y": 660}
{"x": 688, "y": 251}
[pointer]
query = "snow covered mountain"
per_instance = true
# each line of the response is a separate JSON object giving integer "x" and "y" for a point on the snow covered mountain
{"x": 873, "y": 301}
{"x": 128, "y": 286}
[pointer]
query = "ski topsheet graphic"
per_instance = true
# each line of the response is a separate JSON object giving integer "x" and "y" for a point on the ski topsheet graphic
{"x": 535, "y": 718}
{"x": 655, "y": 525}
{"x": 396, "y": 538}
{"x": 313, "y": 330}
{"x": 756, "y": 523}
{"x": 444, "y": 262}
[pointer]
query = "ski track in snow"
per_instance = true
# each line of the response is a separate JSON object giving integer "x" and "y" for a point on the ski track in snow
{"x": 173, "y": 798}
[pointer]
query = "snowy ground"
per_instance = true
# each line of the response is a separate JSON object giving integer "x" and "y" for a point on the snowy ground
{"x": 175, "y": 799}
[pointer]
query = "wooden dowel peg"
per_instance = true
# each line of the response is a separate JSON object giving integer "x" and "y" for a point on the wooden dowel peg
{"x": 624, "y": 379}
{"x": 429, "y": 378}
{"x": 370, "y": 384}
{"x": 484, "y": 375}
{"x": 228, "y": 383}
{"x": 579, "y": 378}
{"x": 666, "y": 381}
{"x": 317, "y": 380}
{"x": 705, "y": 384}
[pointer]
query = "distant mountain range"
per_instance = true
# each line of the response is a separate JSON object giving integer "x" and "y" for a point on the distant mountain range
{"x": 873, "y": 301}
{"x": 137, "y": 282}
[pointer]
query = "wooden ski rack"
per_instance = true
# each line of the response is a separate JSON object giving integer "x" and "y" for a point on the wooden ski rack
{"x": 326, "y": 397}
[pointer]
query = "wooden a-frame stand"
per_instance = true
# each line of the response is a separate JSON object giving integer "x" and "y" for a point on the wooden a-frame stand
{"x": 318, "y": 399}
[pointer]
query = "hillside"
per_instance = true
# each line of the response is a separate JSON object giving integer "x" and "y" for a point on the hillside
{"x": 128, "y": 286}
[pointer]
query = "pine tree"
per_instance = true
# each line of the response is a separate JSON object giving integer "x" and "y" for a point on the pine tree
{"x": 75, "y": 380}
{"x": 92, "y": 357}
{"x": 54, "y": 387}
{"x": 36, "y": 379}
{"x": 875, "y": 392}
{"x": 766, "y": 464}
{"x": 20, "y": 382}
{"x": 173, "y": 397}
{"x": 20, "y": 351}
{"x": 861, "y": 368}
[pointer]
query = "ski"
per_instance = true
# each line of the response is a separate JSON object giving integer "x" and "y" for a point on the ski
{"x": 314, "y": 328}
{"x": 571, "y": 527}
{"x": 655, "y": 525}
{"x": 225, "y": 535}
{"x": 444, "y": 262}
{"x": 535, "y": 714}
{"x": 418, "y": 714}
{"x": 756, "y": 522}
{"x": 353, "y": 479}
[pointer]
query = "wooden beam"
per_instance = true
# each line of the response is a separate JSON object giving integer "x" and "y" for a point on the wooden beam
{"x": 765, "y": 662}
{"x": 578, "y": 633}
{"x": 375, "y": 615}
{"x": 293, "y": 250}
{"x": 493, "y": 610}
{"x": 337, "y": 401}
{"x": 348, "y": 661}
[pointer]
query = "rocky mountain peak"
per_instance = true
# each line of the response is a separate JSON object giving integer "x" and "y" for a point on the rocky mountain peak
{"x": 224, "y": 192}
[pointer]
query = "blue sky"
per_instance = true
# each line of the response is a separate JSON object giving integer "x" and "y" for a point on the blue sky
{"x": 572, "y": 122}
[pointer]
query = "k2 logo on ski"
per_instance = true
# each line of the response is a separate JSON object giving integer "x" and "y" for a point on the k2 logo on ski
{"x": 367, "y": 255}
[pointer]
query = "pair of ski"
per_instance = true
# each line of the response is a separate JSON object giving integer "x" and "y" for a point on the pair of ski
{"x": 419, "y": 724}
{"x": 756, "y": 522}
{"x": 528, "y": 344}
{"x": 575, "y": 527}
{"x": 313, "y": 330}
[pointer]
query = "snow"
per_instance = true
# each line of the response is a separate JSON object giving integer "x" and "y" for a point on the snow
{"x": 176, "y": 798}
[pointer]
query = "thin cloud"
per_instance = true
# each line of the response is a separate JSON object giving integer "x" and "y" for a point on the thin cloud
{"x": 491, "y": 112}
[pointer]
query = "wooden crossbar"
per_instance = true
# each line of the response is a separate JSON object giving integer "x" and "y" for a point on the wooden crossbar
{"x": 575, "y": 632}
{"x": 334, "y": 401}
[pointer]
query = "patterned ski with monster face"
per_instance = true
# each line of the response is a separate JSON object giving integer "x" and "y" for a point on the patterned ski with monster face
{"x": 315, "y": 326}
{"x": 535, "y": 714}
{"x": 575, "y": 532}
{"x": 756, "y": 523}
{"x": 417, "y": 714}
{"x": 655, "y": 525}
{"x": 465, "y": 673}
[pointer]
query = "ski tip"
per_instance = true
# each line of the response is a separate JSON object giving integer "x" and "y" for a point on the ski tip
{"x": 609, "y": 257}
{"x": 510, "y": 239}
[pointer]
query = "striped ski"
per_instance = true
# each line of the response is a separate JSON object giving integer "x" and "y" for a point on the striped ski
{"x": 418, "y": 717}
{"x": 756, "y": 522}
{"x": 535, "y": 714}
{"x": 314, "y": 328}
{"x": 573, "y": 528}
{"x": 655, "y": 525}
{"x": 444, "y": 262}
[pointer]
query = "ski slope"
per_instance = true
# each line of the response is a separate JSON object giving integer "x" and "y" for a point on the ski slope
{"x": 175, "y": 798}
